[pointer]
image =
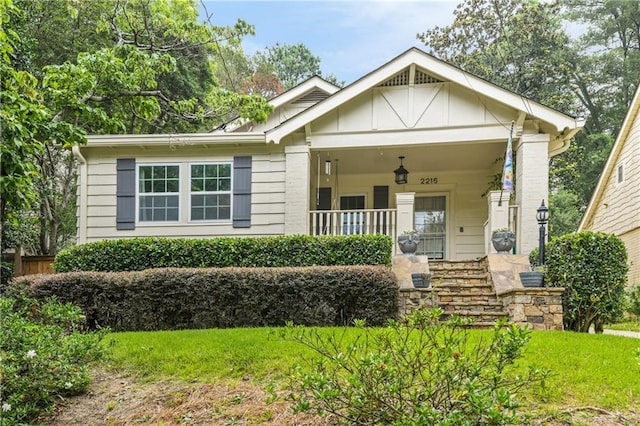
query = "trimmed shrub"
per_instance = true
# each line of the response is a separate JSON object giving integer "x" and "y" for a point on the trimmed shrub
{"x": 420, "y": 371}
{"x": 592, "y": 267}
{"x": 178, "y": 298}
{"x": 137, "y": 254}
{"x": 43, "y": 357}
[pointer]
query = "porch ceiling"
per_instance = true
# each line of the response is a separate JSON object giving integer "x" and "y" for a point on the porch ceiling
{"x": 434, "y": 158}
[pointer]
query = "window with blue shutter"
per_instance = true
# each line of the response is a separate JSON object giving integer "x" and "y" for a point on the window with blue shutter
{"x": 125, "y": 193}
{"x": 242, "y": 192}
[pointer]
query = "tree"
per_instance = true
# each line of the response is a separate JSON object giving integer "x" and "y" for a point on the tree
{"x": 149, "y": 69}
{"x": 291, "y": 63}
{"x": 517, "y": 45}
{"x": 608, "y": 71}
{"x": 565, "y": 212}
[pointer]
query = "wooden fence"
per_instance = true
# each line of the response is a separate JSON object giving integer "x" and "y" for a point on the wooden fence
{"x": 32, "y": 265}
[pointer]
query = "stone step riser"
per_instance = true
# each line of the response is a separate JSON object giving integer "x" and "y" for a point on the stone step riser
{"x": 465, "y": 289}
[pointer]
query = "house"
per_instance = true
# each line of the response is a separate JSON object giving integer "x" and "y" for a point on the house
{"x": 615, "y": 203}
{"x": 325, "y": 163}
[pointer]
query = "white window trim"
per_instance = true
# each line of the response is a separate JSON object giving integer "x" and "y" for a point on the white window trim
{"x": 447, "y": 217}
{"x": 204, "y": 163}
{"x": 618, "y": 167}
{"x": 138, "y": 194}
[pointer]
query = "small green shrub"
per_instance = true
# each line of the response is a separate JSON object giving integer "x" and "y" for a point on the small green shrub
{"x": 136, "y": 254}
{"x": 592, "y": 267}
{"x": 178, "y": 298}
{"x": 6, "y": 273}
{"x": 420, "y": 371}
{"x": 633, "y": 300}
{"x": 43, "y": 356}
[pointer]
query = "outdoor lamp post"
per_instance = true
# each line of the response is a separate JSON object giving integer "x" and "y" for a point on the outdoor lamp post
{"x": 402, "y": 174}
{"x": 543, "y": 217}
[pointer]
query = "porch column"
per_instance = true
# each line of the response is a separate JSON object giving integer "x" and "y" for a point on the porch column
{"x": 296, "y": 196}
{"x": 498, "y": 216}
{"x": 405, "y": 216}
{"x": 532, "y": 186}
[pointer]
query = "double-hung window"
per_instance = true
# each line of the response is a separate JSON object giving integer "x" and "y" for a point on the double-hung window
{"x": 210, "y": 191}
{"x": 159, "y": 193}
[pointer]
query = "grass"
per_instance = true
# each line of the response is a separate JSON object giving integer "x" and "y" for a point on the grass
{"x": 600, "y": 370}
{"x": 626, "y": 325}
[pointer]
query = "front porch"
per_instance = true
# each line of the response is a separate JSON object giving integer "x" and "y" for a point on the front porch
{"x": 428, "y": 216}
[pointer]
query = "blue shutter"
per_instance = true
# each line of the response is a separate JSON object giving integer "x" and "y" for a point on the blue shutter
{"x": 241, "y": 192}
{"x": 126, "y": 194}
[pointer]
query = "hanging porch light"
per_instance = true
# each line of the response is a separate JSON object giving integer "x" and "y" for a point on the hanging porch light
{"x": 401, "y": 173}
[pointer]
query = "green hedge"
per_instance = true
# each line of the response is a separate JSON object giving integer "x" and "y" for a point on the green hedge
{"x": 178, "y": 298}
{"x": 138, "y": 254}
{"x": 592, "y": 267}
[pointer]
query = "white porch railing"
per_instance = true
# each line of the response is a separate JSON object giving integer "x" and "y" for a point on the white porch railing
{"x": 350, "y": 222}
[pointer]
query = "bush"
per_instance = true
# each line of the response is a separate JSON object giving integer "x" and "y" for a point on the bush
{"x": 420, "y": 371}
{"x": 178, "y": 298}
{"x": 633, "y": 300}
{"x": 43, "y": 357}
{"x": 6, "y": 273}
{"x": 137, "y": 254}
{"x": 592, "y": 267}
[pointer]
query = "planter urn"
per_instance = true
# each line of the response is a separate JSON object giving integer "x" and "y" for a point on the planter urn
{"x": 421, "y": 280}
{"x": 532, "y": 279}
{"x": 408, "y": 243}
{"x": 503, "y": 241}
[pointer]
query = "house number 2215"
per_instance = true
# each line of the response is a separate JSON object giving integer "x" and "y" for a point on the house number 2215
{"x": 429, "y": 181}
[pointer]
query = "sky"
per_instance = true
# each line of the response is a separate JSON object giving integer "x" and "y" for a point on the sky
{"x": 351, "y": 38}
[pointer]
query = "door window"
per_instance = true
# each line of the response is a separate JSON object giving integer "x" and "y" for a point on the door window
{"x": 431, "y": 224}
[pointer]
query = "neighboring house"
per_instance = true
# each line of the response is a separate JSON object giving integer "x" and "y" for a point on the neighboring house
{"x": 615, "y": 204}
{"x": 324, "y": 164}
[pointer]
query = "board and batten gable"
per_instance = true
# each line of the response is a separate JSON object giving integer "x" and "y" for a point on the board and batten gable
{"x": 428, "y": 106}
{"x": 101, "y": 199}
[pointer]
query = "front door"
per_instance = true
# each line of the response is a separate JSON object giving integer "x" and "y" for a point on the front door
{"x": 431, "y": 224}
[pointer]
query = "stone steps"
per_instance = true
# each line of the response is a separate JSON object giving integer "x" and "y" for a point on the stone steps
{"x": 464, "y": 288}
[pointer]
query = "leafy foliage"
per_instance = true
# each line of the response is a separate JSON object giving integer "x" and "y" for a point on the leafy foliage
{"x": 43, "y": 356}
{"x": 299, "y": 250}
{"x": 564, "y": 216}
{"x": 633, "y": 300}
{"x": 6, "y": 273}
{"x": 175, "y": 298}
{"x": 592, "y": 267}
{"x": 71, "y": 68}
{"x": 514, "y": 44}
{"x": 416, "y": 371}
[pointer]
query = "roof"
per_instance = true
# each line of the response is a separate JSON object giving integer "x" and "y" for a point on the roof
{"x": 565, "y": 126}
{"x": 438, "y": 69}
{"x": 613, "y": 159}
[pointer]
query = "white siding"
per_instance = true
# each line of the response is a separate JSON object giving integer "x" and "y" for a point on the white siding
{"x": 632, "y": 243}
{"x": 268, "y": 174}
{"x": 618, "y": 209}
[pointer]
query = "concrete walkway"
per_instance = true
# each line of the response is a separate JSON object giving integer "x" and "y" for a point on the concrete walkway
{"x": 624, "y": 333}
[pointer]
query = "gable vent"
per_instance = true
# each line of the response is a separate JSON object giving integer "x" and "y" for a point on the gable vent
{"x": 422, "y": 78}
{"x": 403, "y": 78}
{"x": 312, "y": 97}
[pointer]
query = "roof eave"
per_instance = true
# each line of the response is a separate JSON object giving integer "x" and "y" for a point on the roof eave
{"x": 96, "y": 141}
{"x": 438, "y": 68}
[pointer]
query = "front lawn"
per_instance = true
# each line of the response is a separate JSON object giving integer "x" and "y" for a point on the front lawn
{"x": 587, "y": 369}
